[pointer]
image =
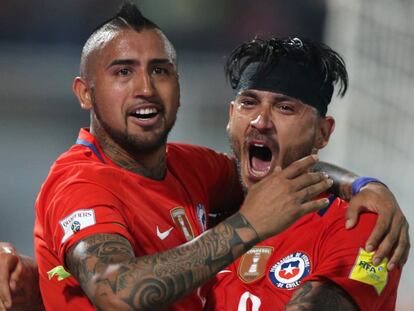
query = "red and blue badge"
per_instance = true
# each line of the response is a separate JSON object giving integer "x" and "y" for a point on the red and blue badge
{"x": 288, "y": 272}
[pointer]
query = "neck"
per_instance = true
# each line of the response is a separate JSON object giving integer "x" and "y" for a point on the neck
{"x": 150, "y": 164}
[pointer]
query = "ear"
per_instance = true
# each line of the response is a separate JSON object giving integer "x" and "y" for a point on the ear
{"x": 231, "y": 108}
{"x": 82, "y": 92}
{"x": 325, "y": 128}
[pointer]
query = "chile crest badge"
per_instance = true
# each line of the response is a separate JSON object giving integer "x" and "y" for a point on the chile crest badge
{"x": 288, "y": 272}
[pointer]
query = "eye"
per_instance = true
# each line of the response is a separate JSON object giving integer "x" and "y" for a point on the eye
{"x": 124, "y": 72}
{"x": 286, "y": 108}
{"x": 160, "y": 71}
{"x": 247, "y": 103}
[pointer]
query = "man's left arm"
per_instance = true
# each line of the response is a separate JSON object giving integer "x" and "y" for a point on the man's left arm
{"x": 391, "y": 230}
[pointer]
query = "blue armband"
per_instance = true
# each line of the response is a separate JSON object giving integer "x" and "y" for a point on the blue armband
{"x": 361, "y": 182}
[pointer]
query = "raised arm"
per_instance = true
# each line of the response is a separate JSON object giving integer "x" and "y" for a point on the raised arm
{"x": 390, "y": 235}
{"x": 114, "y": 279}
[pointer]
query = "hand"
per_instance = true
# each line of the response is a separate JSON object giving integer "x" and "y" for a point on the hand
{"x": 391, "y": 230}
{"x": 10, "y": 271}
{"x": 278, "y": 200}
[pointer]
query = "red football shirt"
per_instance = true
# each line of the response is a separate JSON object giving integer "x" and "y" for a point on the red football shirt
{"x": 317, "y": 247}
{"x": 85, "y": 193}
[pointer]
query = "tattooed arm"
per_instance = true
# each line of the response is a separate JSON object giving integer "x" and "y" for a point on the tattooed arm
{"x": 391, "y": 230}
{"x": 113, "y": 279}
{"x": 321, "y": 296}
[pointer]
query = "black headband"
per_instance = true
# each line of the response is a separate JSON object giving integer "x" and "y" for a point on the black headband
{"x": 290, "y": 78}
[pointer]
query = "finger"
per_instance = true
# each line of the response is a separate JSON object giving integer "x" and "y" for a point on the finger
{"x": 300, "y": 166}
{"x": 381, "y": 228}
{"x": 15, "y": 276}
{"x": 5, "y": 295}
{"x": 352, "y": 213}
{"x": 388, "y": 243}
{"x": 2, "y": 306}
{"x": 314, "y": 205}
{"x": 312, "y": 191}
{"x": 400, "y": 254}
{"x": 307, "y": 179}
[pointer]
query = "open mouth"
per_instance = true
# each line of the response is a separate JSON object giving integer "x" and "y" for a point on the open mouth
{"x": 144, "y": 113}
{"x": 260, "y": 159}
{"x": 146, "y": 116}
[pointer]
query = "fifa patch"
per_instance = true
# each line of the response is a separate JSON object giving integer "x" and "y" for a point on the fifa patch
{"x": 77, "y": 221}
{"x": 202, "y": 216}
{"x": 288, "y": 272}
{"x": 252, "y": 265}
{"x": 181, "y": 220}
{"x": 364, "y": 271}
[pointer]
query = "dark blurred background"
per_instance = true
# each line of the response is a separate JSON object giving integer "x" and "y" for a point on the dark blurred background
{"x": 40, "y": 44}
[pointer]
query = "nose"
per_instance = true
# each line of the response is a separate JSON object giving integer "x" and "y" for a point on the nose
{"x": 263, "y": 122}
{"x": 144, "y": 85}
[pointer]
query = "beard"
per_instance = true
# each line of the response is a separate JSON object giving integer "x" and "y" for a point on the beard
{"x": 134, "y": 143}
{"x": 290, "y": 153}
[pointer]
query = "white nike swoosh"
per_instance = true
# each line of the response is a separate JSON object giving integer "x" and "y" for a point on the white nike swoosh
{"x": 224, "y": 271}
{"x": 163, "y": 235}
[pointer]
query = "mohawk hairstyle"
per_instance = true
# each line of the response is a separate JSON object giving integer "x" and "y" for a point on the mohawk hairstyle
{"x": 128, "y": 15}
{"x": 268, "y": 53}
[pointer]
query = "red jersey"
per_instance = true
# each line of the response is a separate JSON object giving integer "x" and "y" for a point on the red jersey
{"x": 86, "y": 193}
{"x": 317, "y": 247}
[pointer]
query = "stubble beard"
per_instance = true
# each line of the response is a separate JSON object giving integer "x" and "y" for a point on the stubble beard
{"x": 131, "y": 143}
{"x": 236, "y": 148}
{"x": 289, "y": 157}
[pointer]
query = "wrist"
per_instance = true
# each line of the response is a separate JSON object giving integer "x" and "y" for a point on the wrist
{"x": 362, "y": 181}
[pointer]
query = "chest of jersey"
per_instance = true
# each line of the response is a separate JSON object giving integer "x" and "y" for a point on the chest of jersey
{"x": 164, "y": 214}
{"x": 267, "y": 275}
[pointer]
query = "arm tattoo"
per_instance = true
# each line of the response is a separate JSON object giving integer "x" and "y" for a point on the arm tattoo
{"x": 107, "y": 270}
{"x": 342, "y": 178}
{"x": 321, "y": 296}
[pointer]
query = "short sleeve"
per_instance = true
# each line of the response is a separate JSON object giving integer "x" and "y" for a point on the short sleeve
{"x": 340, "y": 260}
{"x": 80, "y": 210}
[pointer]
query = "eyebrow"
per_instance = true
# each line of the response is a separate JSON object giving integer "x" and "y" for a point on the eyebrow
{"x": 275, "y": 96}
{"x": 248, "y": 93}
{"x": 160, "y": 61}
{"x": 132, "y": 62}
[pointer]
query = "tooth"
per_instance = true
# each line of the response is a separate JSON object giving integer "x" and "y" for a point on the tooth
{"x": 258, "y": 145}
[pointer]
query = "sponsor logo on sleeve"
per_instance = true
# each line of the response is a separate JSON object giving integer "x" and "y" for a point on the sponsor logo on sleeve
{"x": 364, "y": 271}
{"x": 77, "y": 221}
{"x": 288, "y": 272}
{"x": 252, "y": 265}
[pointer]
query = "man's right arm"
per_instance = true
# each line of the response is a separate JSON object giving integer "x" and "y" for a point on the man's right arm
{"x": 104, "y": 264}
{"x": 114, "y": 279}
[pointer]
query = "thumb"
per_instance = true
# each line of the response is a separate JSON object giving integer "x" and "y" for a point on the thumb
{"x": 352, "y": 214}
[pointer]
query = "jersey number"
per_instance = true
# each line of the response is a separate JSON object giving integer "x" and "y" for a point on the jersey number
{"x": 255, "y": 301}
